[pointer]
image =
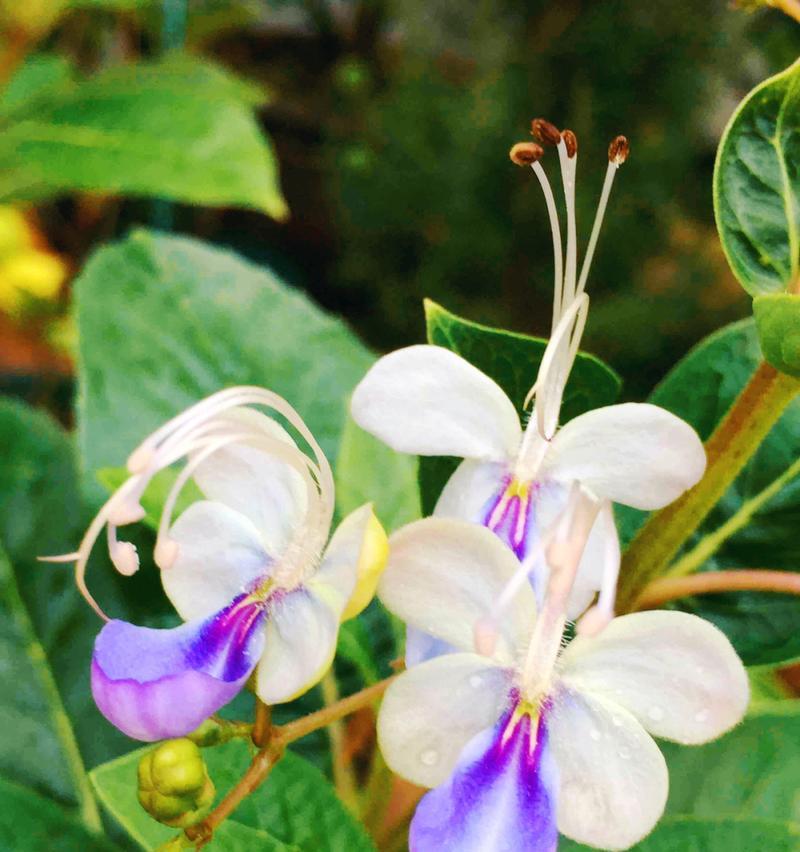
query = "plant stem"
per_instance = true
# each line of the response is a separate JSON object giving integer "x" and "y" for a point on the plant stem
{"x": 736, "y": 438}
{"x": 667, "y": 589}
{"x": 305, "y": 725}
{"x": 790, "y": 7}
{"x": 262, "y": 727}
{"x": 690, "y": 563}
{"x": 201, "y": 833}
{"x": 343, "y": 778}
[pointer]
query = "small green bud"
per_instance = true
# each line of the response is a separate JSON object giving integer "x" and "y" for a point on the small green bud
{"x": 174, "y": 787}
{"x": 209, "y": 733}
{"x": 778, "y": 321}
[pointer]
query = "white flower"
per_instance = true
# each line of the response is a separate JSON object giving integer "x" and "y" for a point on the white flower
{"x": 249, "y": 569}
{"x": 428, "y": 401}
{"x": 530, "y": 739}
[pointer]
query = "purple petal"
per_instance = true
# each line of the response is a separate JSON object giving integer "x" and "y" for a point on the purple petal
{"x": 501, "y": 796}
{"x": 156, "y": 684}
{"x": 509, "y": 514}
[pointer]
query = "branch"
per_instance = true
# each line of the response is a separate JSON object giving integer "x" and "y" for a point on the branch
{"x": 279, "y": 737}
{"x": 730, "y": 447}
{"x": 667, "y": 589}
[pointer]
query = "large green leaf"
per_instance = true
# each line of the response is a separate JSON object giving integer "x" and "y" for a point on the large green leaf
{"x": 512, "y": 360}
{"x": 37, "y": 743}
{"x": 295, "y": 809}
{"x": 41, "y": 513}
{"x": 700, "y": 389}
{"x": 166, "y": 320}
{"x": 751, "y": 773}
{"x": 757, "y": 185}
{"x": 30, "y": 823}
{"x": 685, "y": 834}
{"x": 179, "y": 128}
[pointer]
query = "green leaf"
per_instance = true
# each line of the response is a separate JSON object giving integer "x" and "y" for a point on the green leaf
{"x": 700, "y": 389}
{"x": 295, "y": 809}
{"x": 31, "y": 823}
{"x": 37, "y": 75}
{"x": 685, "y": 834}
{"x": 757, "y": 186}
{"x": 512, "y": 360}
{"x": 101, "y": 134}
{"x": 41, "y": 513}
{"x": 368, "y": 471}
{"x": 777, "y": 318}
{"x": 228, "y": 322}
{"x": 753, "y": 772}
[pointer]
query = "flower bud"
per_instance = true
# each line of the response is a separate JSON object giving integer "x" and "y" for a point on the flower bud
{"x": 174, "y": 787}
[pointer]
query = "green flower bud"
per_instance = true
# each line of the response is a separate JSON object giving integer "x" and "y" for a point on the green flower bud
{"x": 174, "y": 787}
{"x": 778, "y": 322}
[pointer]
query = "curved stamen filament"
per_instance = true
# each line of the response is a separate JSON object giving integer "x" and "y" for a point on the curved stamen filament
{"x": 568, "y": 168}
{"x": 197, "y": 433}
{"x": 555, "y": 230}
{"x": 611, "y": 172}
{"x": 563, "y": 555}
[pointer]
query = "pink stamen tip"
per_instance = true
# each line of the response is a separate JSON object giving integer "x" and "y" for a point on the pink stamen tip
{"x": 125, "y": 558}
{"x": 485, "y": 637}
{"x": 594, "y": 621}
{"x": 165, "y": 553}
{"x": 140, "y": 459}
{"x": 126, "y": 513}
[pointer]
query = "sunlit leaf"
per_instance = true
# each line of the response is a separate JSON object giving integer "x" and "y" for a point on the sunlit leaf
{"x": 179, "y": 128}
{"x": 757, "y": 185}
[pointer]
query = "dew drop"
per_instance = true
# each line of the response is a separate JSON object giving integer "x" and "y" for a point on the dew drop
{"x": 429, "y": 757}
{"x": 655, "y": 713}
{"x": 701, "y": 716}
{"x": 595, "y": 734}
{"x": 616, "y": 721}
{"x": 475, "y": 681}
{"x": 624, "y": 753}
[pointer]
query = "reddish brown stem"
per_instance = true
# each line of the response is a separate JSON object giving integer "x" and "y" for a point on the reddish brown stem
{"x": 667, "y": 589}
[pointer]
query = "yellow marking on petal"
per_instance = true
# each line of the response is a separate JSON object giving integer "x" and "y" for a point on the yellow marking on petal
{"x": 371, "y": 562}
{"x": 518, "y": 488}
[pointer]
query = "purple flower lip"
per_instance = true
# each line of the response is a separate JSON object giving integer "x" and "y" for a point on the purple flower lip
{"x": 500, "y": 797}
{"x": 156, "y": 684}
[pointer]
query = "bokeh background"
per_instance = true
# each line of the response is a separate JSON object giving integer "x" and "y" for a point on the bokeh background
{"x": 391, "y": 123}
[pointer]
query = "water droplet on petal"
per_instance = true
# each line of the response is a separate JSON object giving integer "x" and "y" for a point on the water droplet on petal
{"x": 701, "y": 716}
{"x": 624, "y": 753}
{"x": 594, "y": 734}
{"x": 475, "y": 681}
{"x": 429, "y": 757}
{"x": 655, "y": 713}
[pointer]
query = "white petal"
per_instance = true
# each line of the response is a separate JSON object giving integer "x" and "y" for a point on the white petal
{"x": 444, "y": 575}
{"x": 220, "y": 554}
{"x": 613, "y": 780}
{"x": 352, "y": 563}
{"x": 301, "y": 633}
{"x": 677, "y": 673}
{"x": 429, "y": 401}
{"x": 432, "y": 711}
{"x": 637, "y": 454}
{"x": 470, "y": 489}
{"x": 267, "y": 491}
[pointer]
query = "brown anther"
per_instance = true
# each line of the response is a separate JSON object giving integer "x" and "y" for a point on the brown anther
{"x": 618, "y": 150}
{"x": 545, "y": 132}
{"x": 570, "y": 142}
{"x": 525, "y": 153}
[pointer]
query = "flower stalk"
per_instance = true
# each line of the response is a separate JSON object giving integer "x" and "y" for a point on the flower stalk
{"x": 279, "y": 737}
{"x": 666, "y": 589}
{"x": 730, "y": 447}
